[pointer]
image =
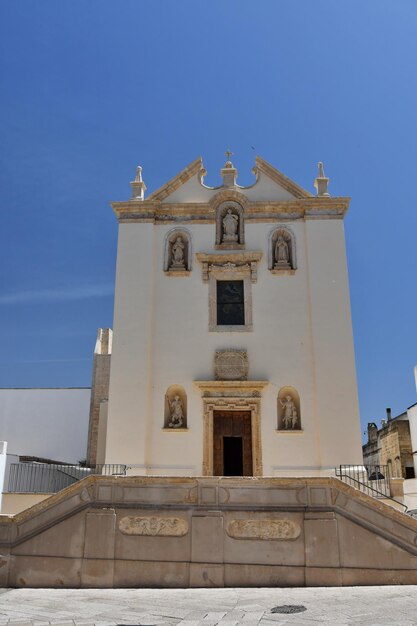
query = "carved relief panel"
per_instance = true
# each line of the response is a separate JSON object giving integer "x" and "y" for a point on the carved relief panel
{"x": 231, "y": 365}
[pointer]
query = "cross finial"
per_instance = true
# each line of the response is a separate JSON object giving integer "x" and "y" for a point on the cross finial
{"x": 228, "y": 153}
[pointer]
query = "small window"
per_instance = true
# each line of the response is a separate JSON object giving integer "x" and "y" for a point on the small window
{"x": 409, "y": 472}
{"x": 230, "y": 303}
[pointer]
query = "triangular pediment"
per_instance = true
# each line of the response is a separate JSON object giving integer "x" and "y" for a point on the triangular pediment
{"x": 280, "y": 179}
{"x": 188, "y": 185}
{"x": 180, "y": 179}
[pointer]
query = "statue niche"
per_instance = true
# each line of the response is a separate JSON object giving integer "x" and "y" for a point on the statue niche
{"x": 289, "y": 417}
{"x": 175, "y": 407}
{"x": 177, "y": 256}
{"x": 282, "y": 250}
{"x": 229, "y": 225}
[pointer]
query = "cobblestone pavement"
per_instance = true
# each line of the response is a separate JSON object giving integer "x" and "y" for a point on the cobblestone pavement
{"x": 373, "y": 606}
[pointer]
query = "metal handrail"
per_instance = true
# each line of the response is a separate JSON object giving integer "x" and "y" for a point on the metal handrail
{"x": 363, "y": 486}
{"x": 50, "y": 478}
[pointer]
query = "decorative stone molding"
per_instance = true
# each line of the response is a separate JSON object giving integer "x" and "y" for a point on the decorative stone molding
{"x": 155, "y": 212}
{"x": 231, "y": 388}
{"x": 228, "y": 195}
{"x": 280, "y": 178}
{"x": 231, "y": 365}
{"x": 231, "y": 396}
{"x": 153, "y": 526}
{"x": 230, "y": 266}
{"x": 229, "y": 261}
{"x": 266, "y": 529}
{"x": 196, "y": 167}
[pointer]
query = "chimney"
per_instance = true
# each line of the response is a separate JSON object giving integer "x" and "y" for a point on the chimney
{"x": 389, "y": 417}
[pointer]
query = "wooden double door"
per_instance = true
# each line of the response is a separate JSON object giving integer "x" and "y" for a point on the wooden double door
{"x": 232, "y": 443}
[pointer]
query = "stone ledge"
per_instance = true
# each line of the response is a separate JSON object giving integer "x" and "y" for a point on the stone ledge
{"x": 281, "y": 431}
{"x": 283, "y": 272}
{"x": 177, "y": 272}
{"x": 238, "y": 494}
{"x": 175, "y": 430}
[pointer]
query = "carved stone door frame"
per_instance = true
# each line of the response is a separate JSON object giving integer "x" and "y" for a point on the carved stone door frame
{"x": 231, "y": 396}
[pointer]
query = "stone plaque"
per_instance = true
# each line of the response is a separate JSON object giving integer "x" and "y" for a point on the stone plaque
{"x": 231, "y": 365}
{"x": 270, "y": 529}
{"x": 153, "y": 526}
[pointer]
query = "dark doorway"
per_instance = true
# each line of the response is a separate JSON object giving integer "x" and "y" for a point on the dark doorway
{"x": 233, "y": 456}
{"x": 232, "y": 443}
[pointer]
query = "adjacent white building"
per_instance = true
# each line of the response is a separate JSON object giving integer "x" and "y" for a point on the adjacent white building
{"x": 46, "y": 423}
{"x": 232, "y": 347}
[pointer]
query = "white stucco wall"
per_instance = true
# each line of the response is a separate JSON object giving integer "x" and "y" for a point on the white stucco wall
{"x": 47, "y": 423}
{"x": 302, "y": 337}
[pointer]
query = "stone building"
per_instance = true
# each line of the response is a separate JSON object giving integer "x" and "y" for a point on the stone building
{"x": 391, "y": 445}
{"x": 232, "y": 348}
{"x": 231, "y": 356}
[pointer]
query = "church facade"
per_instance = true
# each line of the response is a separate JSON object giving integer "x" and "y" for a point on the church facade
{"x": 232, "y": 341}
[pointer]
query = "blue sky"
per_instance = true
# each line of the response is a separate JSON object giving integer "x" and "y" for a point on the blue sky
{"x": 89, "y": 89}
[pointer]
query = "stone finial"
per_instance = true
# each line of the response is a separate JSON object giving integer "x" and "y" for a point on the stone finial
{"x": 104, "y": 341}
{"x": 228, "y": 171}
{"x": 321, "y": 183}
{"x": 138, "y": 186}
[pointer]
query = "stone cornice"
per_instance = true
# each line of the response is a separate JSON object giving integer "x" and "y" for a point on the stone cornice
{"x": 229, "y": 257}
{"x": 280, "y": 178}
{"x": 178, "y": 180}
{"x": 230, "y": 386}
{"x": 239, "y": 263}
{"x": 205, "y": 212}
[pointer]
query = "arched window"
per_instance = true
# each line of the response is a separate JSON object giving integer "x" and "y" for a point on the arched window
{"x": 175, "y": 407}
{"x": 288, "y": 409}
{"x": 230, "y": 232}
{"x": 281, "y": 250}
{"x": 177, "y": 252}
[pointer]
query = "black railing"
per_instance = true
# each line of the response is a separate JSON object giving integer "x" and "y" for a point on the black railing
{"x": 374, "y": 480}
{"x": 371, "y": 478}
{"x": 49, "y": 478}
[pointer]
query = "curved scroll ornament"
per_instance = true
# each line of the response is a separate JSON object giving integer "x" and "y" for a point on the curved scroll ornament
{"x": 268, "y": 529}
{"x": 153, "y": 526}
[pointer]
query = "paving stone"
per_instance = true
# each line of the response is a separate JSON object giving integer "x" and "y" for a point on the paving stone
{"x": 213, "y": 618}
{"x": 252, "y": 616}
{"x": 360, "y": 606}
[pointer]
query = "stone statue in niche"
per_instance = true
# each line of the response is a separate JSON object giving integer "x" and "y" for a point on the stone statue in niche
{"x": 177, "y": 254}
{"x": 290, "y": 417}
{"x": 230, "y": 227}
{"x": 282, "y": 253}
{"x": 177, "y": 413}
